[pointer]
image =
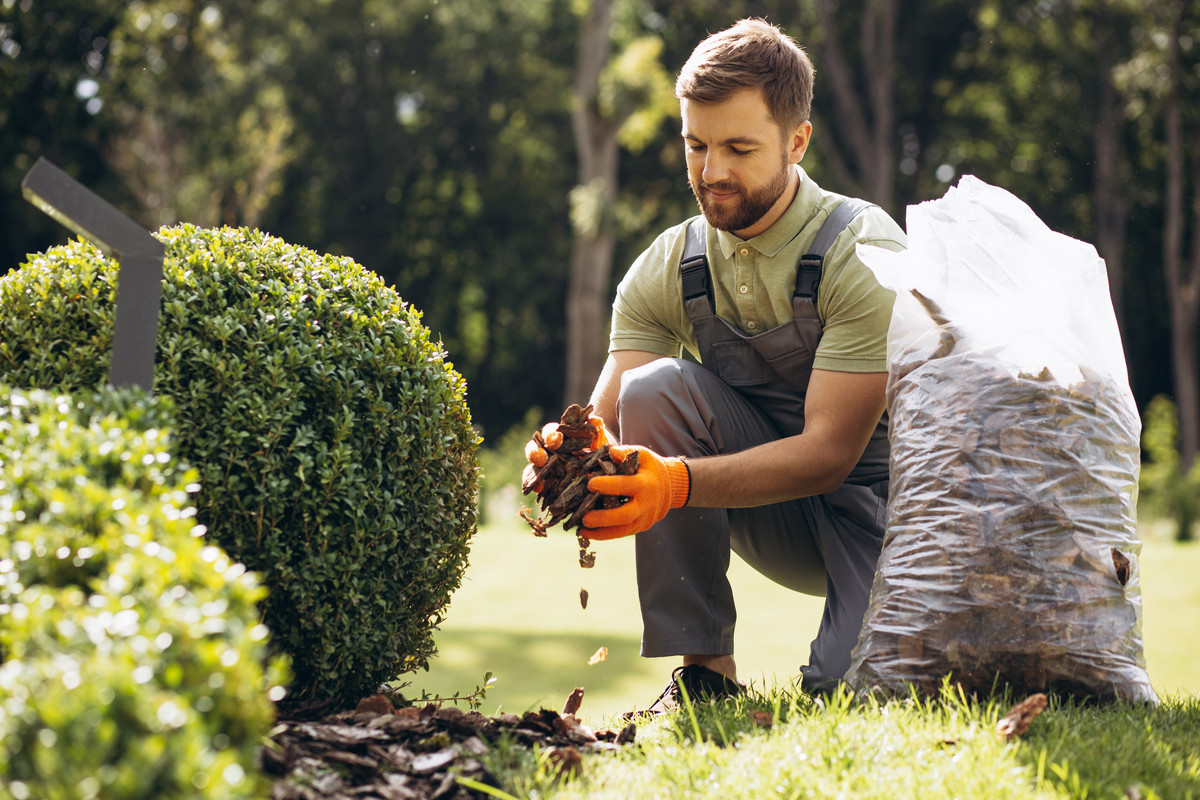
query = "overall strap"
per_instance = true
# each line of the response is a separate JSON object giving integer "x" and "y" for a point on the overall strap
{"x": 808, "y": 275}
{"x": 695, "y": 263}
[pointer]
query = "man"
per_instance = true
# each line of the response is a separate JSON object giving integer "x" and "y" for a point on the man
{"x": 775, "y": 444}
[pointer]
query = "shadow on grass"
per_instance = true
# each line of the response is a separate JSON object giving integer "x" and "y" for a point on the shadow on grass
{"x": 1119, "y": 750}
{"x": 534, "y": 670}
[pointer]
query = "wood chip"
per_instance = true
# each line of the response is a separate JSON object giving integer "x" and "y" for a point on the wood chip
{"x": 761, "y": 719}
{"x": 598, "y": 656}
{"x": 583, "y": 598}
{"x": 427, "y": 763}
{"x": 566, "y": 761}
{"x": 1023, "y": 713}
{"x": 375, "y": 704}
{"x": 574, "y": 701}
{"x": 1121, "y": 564}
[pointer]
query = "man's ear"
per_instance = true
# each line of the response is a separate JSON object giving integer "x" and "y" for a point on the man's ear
{"x": 798, "y": 142}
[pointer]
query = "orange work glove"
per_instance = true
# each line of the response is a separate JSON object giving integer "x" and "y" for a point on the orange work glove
{"x": 601, "y": 437}
{"x": 659, "y": 485}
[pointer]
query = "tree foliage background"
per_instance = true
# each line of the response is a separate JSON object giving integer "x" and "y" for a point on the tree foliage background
{"x": 439, "y": 143}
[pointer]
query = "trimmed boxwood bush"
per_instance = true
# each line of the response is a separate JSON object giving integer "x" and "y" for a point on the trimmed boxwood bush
{"x": 131, "y": 653}
{"x": 333, "y": 440}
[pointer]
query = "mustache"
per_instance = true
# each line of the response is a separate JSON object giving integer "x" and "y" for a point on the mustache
{"x": 721, "y": 188}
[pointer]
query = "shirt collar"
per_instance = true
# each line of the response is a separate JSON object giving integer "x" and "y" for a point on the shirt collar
{"x": 775, "y": 238}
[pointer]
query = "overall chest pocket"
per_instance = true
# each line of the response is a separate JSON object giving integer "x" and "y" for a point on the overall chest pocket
{"x": 778, "y": 354}
{"x": 739, "y": 364}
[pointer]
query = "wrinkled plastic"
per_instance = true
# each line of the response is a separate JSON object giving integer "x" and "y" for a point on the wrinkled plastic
{"x": 1011, "y": 551}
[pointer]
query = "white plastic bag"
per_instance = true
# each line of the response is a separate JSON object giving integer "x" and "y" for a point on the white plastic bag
{"x": 1011, "y": 551}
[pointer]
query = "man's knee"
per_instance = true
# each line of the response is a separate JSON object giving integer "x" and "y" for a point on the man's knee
{"x": 648, "y": 388}
{"x": 657, "y": 405}
{"x": 657, "y": 390}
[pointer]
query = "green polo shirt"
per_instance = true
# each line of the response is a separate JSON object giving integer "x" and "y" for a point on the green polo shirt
{"x": 753, "y": 282}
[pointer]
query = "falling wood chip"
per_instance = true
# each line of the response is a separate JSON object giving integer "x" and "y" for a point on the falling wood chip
{"x": 583, "y": 598}
{"x": 1022, "y": 714}
{"x": 598, "y": 656}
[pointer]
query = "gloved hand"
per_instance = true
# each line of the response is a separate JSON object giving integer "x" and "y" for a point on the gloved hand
{"x": 659, "y": 485}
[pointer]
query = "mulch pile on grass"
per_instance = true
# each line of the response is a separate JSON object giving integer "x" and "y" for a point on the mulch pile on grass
{"x": 380, "y": 752}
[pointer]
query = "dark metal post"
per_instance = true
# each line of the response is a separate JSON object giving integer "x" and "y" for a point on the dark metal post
{"x": 140, "y": 256}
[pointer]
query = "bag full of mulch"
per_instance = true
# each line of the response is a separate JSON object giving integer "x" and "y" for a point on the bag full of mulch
{"x": 1010, "y": 557}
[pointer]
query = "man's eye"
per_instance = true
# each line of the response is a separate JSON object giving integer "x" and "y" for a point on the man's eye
{"x": 737, "y": 152}
{"x": 695, "y": 148}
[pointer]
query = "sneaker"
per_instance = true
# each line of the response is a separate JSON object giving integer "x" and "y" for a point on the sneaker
{"x": 702, "y": 685}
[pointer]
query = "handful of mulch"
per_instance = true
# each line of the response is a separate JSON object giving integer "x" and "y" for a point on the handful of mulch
{"x": 561, "y": 483}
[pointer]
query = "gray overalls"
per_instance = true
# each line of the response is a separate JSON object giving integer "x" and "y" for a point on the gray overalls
{"x": 749, "y": 391}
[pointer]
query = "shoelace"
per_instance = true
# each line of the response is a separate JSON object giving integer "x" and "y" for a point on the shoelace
{"x": 671, "y": 689}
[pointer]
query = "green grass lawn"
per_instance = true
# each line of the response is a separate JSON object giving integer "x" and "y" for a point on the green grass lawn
{"x": 518, "y": 616}
{"x": 943, "y": 749}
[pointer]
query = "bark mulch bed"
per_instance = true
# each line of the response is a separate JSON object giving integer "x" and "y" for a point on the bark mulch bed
{"x": 378, "y": 751}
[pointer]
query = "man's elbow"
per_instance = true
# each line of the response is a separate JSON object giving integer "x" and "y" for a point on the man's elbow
{"x": 830, "y": 482}
{"x": 833, "y": 478}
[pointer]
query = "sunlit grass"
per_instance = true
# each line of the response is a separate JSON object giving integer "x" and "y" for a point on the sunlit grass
{"x": 518, "y": 616}
{"x": 929, "y": 749}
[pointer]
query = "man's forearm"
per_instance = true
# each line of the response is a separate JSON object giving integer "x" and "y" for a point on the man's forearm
{"x": 841, "y": 412}
{"x": 770, "y": 473}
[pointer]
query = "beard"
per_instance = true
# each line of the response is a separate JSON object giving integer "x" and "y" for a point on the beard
{"x": 747, "y": 209}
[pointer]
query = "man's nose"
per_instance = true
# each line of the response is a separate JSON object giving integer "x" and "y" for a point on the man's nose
{"x": 716, "y": 167}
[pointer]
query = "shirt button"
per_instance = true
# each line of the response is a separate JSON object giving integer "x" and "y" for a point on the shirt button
{"x": 752, "y": 325}
{"x": 745, "y": 251}
{"x": 743, "y": 288}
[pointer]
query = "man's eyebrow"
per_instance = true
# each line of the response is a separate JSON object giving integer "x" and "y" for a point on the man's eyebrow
{"x": 747, "y": 140}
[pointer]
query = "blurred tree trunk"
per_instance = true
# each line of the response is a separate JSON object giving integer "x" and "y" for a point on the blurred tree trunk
{"x": 1183, "y": 279}
{"x": 859, "y": 150}
{"x": 592, "y": 203}
{"x": 1112, "y": 206}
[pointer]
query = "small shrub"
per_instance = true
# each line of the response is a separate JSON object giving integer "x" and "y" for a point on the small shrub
{"x": 334, "y": 444}
{"x": 131, "y": 655}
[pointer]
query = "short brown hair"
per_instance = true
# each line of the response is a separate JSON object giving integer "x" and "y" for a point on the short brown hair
{"x": 751, "y": 54}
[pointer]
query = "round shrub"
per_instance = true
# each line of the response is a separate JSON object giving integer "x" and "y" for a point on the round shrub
{"x": 333, "y": 440}
{"x": 131, "y": 654}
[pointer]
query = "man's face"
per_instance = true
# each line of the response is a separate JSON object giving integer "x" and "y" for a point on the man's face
{"x": 739, "y": 161}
